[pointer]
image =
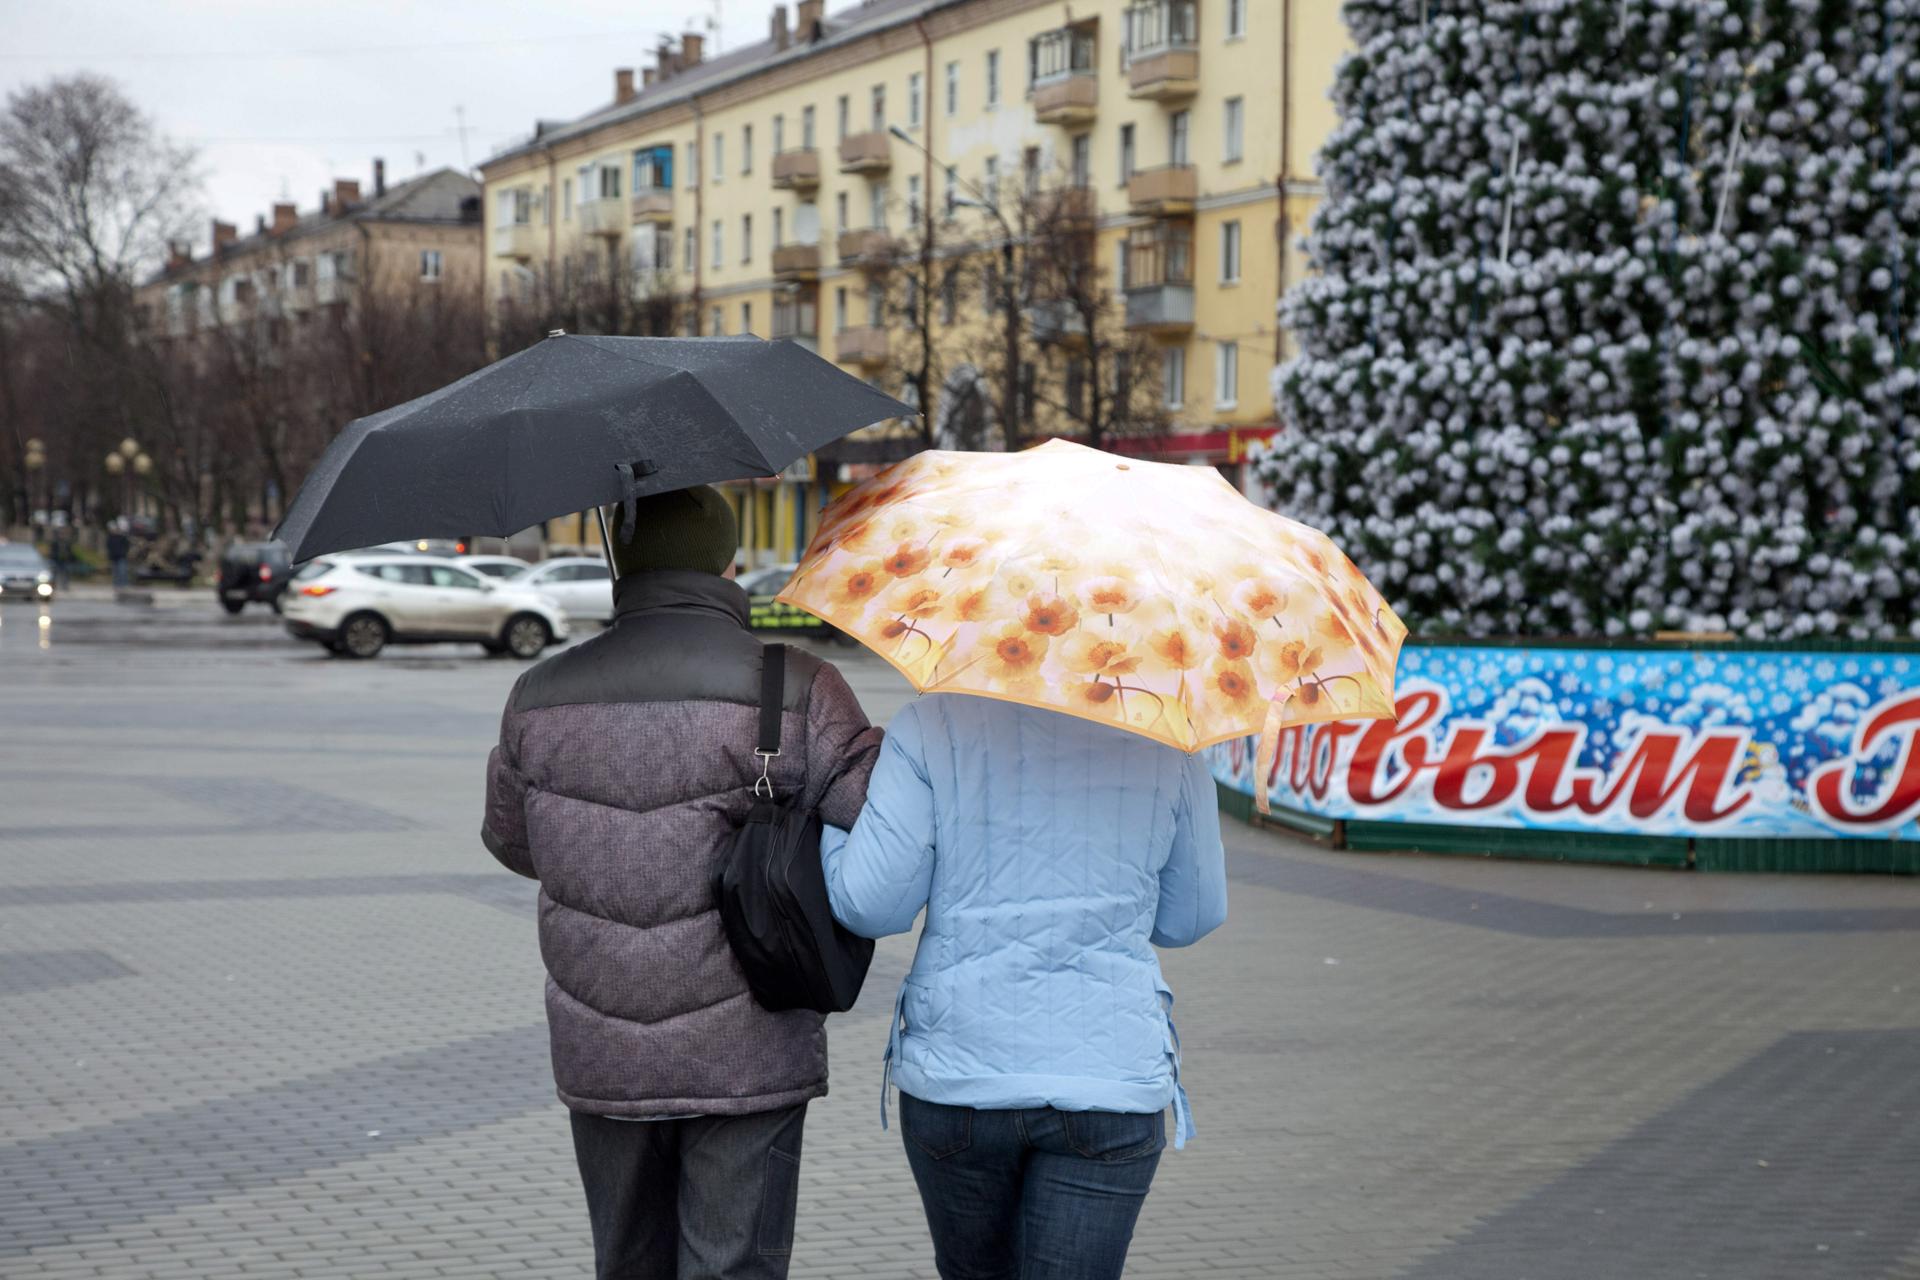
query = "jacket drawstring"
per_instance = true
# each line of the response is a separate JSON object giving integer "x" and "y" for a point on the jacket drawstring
{"x": 893, "y": 1050}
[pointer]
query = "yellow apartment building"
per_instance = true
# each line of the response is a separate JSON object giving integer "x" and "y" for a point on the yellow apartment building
{"x": 760, "y": 190}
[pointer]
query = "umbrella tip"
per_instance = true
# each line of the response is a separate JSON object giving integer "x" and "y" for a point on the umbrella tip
{"x": 556, "y": 333}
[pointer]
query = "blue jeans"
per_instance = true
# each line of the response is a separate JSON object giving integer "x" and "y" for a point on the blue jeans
{"x": 1036, "y": 1194}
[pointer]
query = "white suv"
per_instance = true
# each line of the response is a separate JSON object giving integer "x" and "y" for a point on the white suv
{"x": 356, "y": 605}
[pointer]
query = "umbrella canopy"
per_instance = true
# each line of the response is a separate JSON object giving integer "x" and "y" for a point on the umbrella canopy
{"x": 1148, "y": 596}
{"x": 571, "y": 423}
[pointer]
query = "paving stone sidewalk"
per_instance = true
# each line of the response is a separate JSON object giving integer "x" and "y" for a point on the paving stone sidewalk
{"x": 267, "y": 1009}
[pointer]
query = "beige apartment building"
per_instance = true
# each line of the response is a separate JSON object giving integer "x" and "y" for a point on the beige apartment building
{"x": 762, "y": 190}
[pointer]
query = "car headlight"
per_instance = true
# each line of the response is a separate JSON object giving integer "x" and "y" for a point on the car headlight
{"x": 43, "y": 576}
{"x": 46, "y": 588}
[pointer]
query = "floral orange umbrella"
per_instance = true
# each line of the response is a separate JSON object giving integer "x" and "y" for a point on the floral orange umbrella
{"x": 1149, "y": 596}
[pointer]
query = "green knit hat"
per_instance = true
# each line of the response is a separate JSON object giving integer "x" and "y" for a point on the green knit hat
{"x": 680, "y": 529}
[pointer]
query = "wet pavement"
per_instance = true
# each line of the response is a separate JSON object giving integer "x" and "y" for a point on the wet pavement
{"x": 268, "y": 1009}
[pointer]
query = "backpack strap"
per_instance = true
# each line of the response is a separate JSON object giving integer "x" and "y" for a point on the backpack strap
{"x": 773, "y": 683}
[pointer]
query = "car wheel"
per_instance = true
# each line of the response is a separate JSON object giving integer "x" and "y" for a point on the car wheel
{"x": 526, "y": 635}
{"x": 363, "y": 635}
{"x": 232, "y": 606}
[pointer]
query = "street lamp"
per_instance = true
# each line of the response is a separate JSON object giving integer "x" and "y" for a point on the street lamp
{"x": 36, "y": 462}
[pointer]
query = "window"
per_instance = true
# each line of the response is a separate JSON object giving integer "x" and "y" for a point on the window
{"x": 779, "y": 227}
{"x": 876, "y": 305}
{"x": 652, "y": 169}
{"x": 992, "y": 183}
{"x": 840, "y": 211}
{"x": 1236, "y": 19}
{"x": 913, "y": 100}
{"x": 1081, "y": 164}
{"x": 746, "y": 237}
{"x": 1077, "y": 388}
{"x": 429, "y": 264}
{"x": 949, "y": 295}
{"x": 448, "y": 576}
{"x": 609, "y": 182}
{"x": 1030, "y": 171}
{"x": 879, "y": 108}
{"x": 746, "y": 317}
{"x": 566, "y": 199}
{"x": 302, "y": 273}
{"x": 779, "y": 134}
{"x": 1126, "y": 153}
{"x": 1178, "y": 127}
{"x": 546, "y": 204}
{"x": 1230, "y": 252}
{"x": 993, "y": 77}
{"x": 719, "y": 254}
{"x": 990, "y": 283}
{"x": 693, "y": 163}
{"x": 806, "y": 128}
{"x": 877, "y": 204}
{"x": 719, "y": 317}
{"x": 1173, "y": 375}
{"x": 953, "y": 88}
{"x": 719, "y": 158}
{"x": 1235, "y": 129}
{"x": 690, "y": 248}
{"x": 1026, "y": 383}
{"x": 1226, "y": 374}
{"x": 840, "y": 309}
{"x": 913, "y": 198}
{"x": 746, "y": 148}
{"x": 845, "y": 108}
{"x": 953, "y": 188}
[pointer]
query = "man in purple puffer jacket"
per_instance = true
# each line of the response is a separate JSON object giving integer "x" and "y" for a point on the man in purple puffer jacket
{"x": 624, "y": 764}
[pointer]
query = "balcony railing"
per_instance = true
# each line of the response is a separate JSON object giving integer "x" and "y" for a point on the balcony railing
{"x": 1163, "y": 58}
{"x": 604, "y": 217}
{"x": 796, "y": 262}
{"x": 652, "y": 204}
{"x": 512, "y": 240}
{"x": 1055, "y": 320}
{"x": 1070, "y": 206}
{"x": 798, "y": 321}
{"x": 867, "y": 152}
{"x": 865, "y": 345}
{"x": 1160, "y": 278}
{"x": 797, "y": 170}
{"x": 1169, "y": 189}
{"x": 1073, "y": 98}
{"x": 866, "y": 247}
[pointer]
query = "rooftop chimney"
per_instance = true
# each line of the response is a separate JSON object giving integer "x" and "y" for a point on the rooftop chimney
{"x": 346, "y": 194}
{"x": 259, "y": 224}
{"x": 622, "y": 85}
{"x": 666, "y": 58}
{"x": 646, "y": 77}
{"x": 179, "y": 254}
{"x": 284, "y": 216}
{"x": 777, "y": 28}
{"x": 807, "y": 27}
{"x": 224, "y": 234}
{"x": 690, "y": 49}
{"x": 379, "y": 177}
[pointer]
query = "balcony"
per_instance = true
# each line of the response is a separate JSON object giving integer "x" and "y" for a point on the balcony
{"x": 865, "y": 346}
{"x": 513, "y": 240}
{"x": 1163, "y": 57}
{"x": 1070, "y": 99}
{"x": 796, "y": 262}
{"x": 1066, "y": 207}
{"x": 797, "y": 170}
{"x": 604, "y": 217}
{"x": 1160, "y": 308}
{"x": 652, "y": 205}
{"x": 868, "y": 152}
{"x": 1165, "y": 75}
{"x": 1054, "y": 321}
{"x": 796, "y": 318}
{"x": 869, "y": 248}
{"x": 1158, "y": 193}
{"x": 1160, "y": 279}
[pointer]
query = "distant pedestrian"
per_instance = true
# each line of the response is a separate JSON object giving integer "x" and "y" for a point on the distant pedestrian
{"x": 625, "y": 764}
{"x": 1033, "y": 1040}
{"x": 62, "y": 557}
{"x": 119, "y": 546}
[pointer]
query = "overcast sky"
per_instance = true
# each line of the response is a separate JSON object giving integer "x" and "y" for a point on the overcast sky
{"x": 279, "y": 98}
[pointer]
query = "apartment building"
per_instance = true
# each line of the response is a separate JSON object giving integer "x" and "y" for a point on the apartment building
{"x": 767, "y": 189}
{"x": 418, "y": 238}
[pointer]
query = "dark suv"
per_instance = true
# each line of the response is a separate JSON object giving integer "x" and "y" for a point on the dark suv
{"x": 252, "y": 571}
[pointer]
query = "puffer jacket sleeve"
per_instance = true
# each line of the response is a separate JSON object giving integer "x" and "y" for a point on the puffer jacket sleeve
{"x": 879, "y": 876}
{"x": 1193, "y": 883}
{"x": 841, "y": 749}
{"x": 504, "y": 829}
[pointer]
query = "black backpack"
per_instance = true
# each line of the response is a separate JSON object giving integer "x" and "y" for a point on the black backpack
{"x": 773, "y": 893}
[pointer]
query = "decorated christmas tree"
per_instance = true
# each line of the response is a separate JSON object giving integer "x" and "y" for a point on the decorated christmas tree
{"x": 1615, "y": 325}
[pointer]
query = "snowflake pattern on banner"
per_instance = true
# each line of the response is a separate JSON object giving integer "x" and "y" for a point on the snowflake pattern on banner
{"x": 1615, "y": 319}
{"x": 1781, "y": 716}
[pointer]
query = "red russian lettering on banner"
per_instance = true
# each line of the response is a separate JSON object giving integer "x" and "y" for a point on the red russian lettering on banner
{"x": 1831, "y": 784}
{"x": 1416, "y": 710}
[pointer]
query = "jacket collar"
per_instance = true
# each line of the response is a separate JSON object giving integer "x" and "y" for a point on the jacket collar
{"x": 678, "y": 591}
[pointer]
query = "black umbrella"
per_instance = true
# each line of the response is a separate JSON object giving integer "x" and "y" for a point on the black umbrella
{"x": 572, "y": 423}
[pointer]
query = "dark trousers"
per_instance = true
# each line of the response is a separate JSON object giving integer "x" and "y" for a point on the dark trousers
{"x": 697, "y": 1199}
{"x": 1036, "y": 1194}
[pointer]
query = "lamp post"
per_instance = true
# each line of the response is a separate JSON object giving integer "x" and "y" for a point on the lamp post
{"x": 128, "y": 461}
{"x": 1009, "y": 311}
{"x": 36, "y": 463}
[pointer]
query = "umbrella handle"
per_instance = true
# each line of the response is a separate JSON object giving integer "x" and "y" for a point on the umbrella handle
{"x": 606, "y": 541}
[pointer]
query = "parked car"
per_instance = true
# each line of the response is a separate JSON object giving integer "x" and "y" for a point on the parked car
{"x": 496, "y": 566}
{"x": 256, "y": 571}
{"x": 420, "y": 546}
{"x": 357, "y": 605}
{"x": 581, "y": 585}
{"x": 24, "y": 573}
{"x": 764, "y": 613}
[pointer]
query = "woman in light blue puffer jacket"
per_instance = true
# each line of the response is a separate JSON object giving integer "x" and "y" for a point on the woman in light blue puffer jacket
{"x": 1033, "y": 1040}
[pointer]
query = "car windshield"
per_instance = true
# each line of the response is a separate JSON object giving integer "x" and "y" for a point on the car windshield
{"x": 766, "y": 582}
{"x": 19, "y": 558}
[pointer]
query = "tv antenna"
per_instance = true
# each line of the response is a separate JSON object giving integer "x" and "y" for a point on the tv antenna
{"x": 460, "y": 124}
